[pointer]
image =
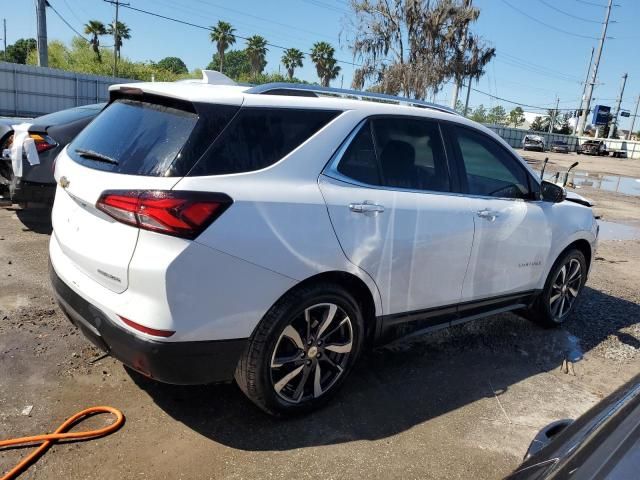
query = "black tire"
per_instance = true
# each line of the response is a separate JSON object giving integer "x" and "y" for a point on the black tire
{"x": 548, "y": 314}
{"x": 255, "y": 373}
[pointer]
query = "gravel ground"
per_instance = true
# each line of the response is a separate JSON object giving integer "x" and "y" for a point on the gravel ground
{"x": 461, "y": 403}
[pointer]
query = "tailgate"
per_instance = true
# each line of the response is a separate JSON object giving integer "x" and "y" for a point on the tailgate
{"x": 93, "y": 241}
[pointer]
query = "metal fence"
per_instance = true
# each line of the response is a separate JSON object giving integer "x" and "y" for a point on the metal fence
{"x": 514, "y": 137}
{"x": 29, "y": 91}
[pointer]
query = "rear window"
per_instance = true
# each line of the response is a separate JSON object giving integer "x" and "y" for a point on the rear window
{"x": 154, "y": 138}
{"x": 258, "y": 137}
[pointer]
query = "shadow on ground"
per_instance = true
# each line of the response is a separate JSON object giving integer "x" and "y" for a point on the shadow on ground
{"x": 35, "y": 219}
{"x": 398, "y": 387}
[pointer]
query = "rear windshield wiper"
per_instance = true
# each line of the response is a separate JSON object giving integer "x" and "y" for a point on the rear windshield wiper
{"x": 95, "y": 156}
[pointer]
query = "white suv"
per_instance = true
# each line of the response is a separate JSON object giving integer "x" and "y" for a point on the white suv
{"x": 272, "y": 233}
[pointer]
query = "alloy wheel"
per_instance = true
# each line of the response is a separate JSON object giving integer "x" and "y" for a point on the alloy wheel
{"x": 311, "y": 353}
{"x": 565, "y": 288}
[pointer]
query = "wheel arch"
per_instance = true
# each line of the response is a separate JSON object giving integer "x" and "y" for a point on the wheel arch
{"x": 580, "y": 244}
{"x": 356, "y": 287}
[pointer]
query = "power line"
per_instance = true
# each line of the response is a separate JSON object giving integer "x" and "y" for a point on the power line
{"x": 202, "y": 27}
{"x": 546, "y": 24}
{"x": 67, "y": 23}
{"x": 204, "y": 2}
{"x": 326, "y": 6}
{"x": 532, "y": 69}
{"x": 552, "y": 7}
{"x": 593, "y": 4}
{"x": 518, "y": 103}
{"x": 71, "y": 10}
{"x": 277, "y": 33}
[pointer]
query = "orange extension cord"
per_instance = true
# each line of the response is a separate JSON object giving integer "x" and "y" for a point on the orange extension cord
{"x": 61, "y": 434}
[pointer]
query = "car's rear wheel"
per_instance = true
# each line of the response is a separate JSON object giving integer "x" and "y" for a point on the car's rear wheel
{"x": 562, "y": 288}
{"x": 302, "y": 350}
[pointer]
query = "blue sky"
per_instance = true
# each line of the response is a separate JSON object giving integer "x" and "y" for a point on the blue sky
{"x": 534, "y": 62}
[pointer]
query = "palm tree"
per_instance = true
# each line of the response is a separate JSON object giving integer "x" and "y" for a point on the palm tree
{"x": 322, "y": 55}
{"x": 123, "y": 32}
{"x": 256, "y": 51}
{"x": 223, "y": 35}
{"x": 291, "y": 59}
{"x": 95, "y": 28}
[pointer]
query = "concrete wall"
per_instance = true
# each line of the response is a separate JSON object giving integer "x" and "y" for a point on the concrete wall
{"x": 514, "y": 136}
{"x": 30, "y": 91}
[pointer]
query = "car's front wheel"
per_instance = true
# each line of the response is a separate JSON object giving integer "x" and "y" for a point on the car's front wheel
{"x": 562, "y": 288}
{"x": 302, "y": 350}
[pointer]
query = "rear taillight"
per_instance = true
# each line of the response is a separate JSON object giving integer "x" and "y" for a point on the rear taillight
{"x": 179, "y": 213}
{"x": 43, "y": 142}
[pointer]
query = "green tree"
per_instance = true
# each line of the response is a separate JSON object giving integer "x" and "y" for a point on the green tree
{"x": 516, "y": 117}
{"x": 236, "y": 64}
{"x": 173, "y": 64}
{"x": 459, "y": 107}
{"x": 95, "y": 28}
{"x": 322, "y": 55}
{"x": 223, "y": 36}
{"x": 121, "y": 32}
{"x": 538, "y": 125}
{"x": 80, "y": 57}
{"x": 256, "y": 52}
{"x": 292, "y": 59}
{"x": 497, "y": 115}
{"x": 19, "y": 51}
{"x": 479, "y": 114}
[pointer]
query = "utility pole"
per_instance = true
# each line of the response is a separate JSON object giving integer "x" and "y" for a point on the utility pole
{"x": 584, "y": 89}
{"x": 466, "y": 103}
{"x": 116, "y": 35}
{"x": 587, "y": 103}
{"x": 633, "y": 119}
{"x": 41, "y": 17}
{"x": 614, "y": 122}
{"x": 4, "y": 37}
{"x": 463, "y": 43}
{"x": 552, "y": 120}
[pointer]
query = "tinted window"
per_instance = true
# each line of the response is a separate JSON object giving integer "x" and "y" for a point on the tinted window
{"x": 143, "y": 138}
{"x": 259, "y": 137}
{"x": 359, "y": 160}
{"x": 491, "y": 171}
{"x": 411, "y": 154}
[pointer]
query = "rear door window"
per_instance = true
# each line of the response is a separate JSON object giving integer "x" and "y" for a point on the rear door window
{"x": 411, "y": 154}
{"x": 359, "y": 161}
{"x": 259, "y": 137}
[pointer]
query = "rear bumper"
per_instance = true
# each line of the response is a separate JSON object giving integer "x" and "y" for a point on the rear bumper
{"x": 181, "y": 363}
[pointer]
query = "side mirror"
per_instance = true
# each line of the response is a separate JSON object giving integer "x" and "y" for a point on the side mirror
{"x": 550, "y": 192}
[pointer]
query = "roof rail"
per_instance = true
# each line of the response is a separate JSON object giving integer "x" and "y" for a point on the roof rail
{"x": 305, "y": 90}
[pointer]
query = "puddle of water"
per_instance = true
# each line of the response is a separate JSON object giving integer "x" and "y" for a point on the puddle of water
{"x": 617, "y": 231}
{"x": 609, "y": 183}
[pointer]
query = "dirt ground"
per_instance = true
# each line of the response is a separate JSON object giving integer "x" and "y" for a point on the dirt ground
{"x": 462, "y": 403}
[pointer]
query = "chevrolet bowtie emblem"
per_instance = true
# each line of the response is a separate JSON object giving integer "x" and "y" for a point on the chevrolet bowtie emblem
{"x": 64, "y": 182}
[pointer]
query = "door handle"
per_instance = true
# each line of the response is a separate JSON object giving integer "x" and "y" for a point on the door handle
{"x": 487, "y": 214}
{"x": 366, "y": 207}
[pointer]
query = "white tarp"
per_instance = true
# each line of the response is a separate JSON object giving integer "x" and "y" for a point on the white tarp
{"x": 22, "y": 143}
